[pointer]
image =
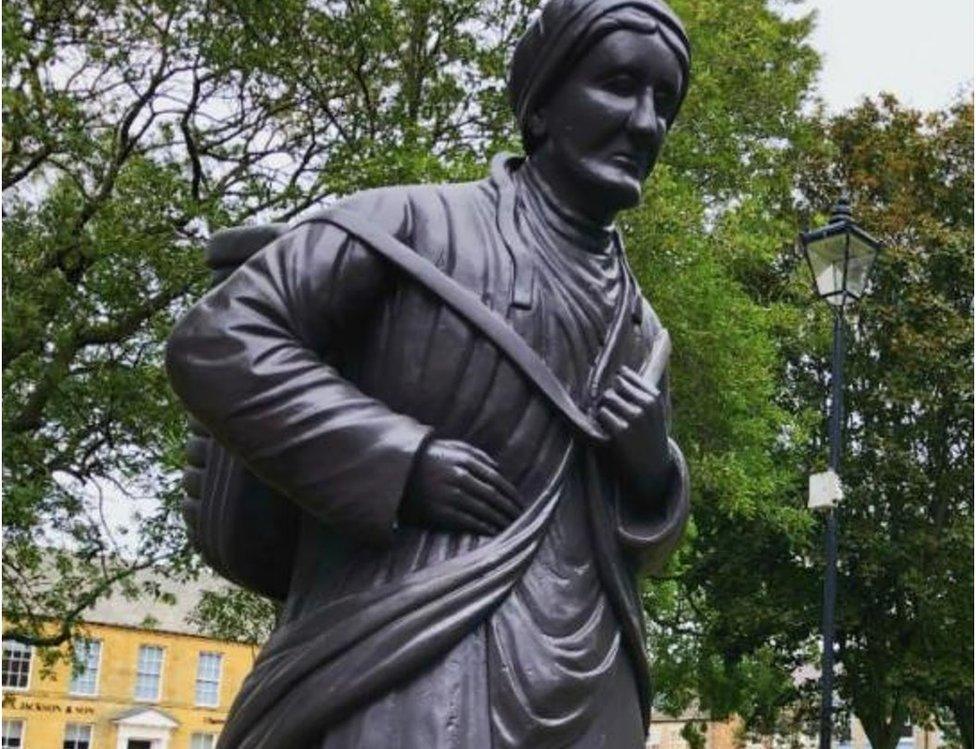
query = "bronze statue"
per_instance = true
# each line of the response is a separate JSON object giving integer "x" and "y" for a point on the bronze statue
{"x": 439, "y": 419}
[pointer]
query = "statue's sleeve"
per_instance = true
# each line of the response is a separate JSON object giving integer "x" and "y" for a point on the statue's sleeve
{"x": 254, "y": 361}
{"x": 650, "y": 526}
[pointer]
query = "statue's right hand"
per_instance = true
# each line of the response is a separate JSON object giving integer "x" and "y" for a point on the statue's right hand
{"x": 455, "y": 486}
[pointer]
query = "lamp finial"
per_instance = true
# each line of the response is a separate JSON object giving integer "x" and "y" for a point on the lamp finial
{"x": 842, "y": 210}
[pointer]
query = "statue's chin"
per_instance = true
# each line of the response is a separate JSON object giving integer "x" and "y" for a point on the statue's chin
{"x": 616, "y": 188}
{"x": 597, "y": 187}
{"x": 618, "y": 195}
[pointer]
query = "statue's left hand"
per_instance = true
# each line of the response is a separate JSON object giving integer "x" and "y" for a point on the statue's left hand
{"x": 633, "y": 412}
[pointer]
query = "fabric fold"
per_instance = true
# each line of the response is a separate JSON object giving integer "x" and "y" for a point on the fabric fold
{"x": 332, "y": 652}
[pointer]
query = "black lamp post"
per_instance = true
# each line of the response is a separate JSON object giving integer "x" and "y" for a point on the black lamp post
{"x": 840, "y": 256}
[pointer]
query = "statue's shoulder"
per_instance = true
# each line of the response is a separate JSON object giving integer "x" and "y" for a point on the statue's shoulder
{"x": 384, "y": 207}
{"x": 397, "y": 209}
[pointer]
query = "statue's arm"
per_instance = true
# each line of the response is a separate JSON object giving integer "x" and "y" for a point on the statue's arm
{"x": 651, "y": 516}
{"x": 251, "y": 361}
{"x": 651, "y": 525}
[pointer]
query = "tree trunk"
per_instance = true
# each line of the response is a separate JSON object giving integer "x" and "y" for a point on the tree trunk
{"x": 962, "y": 713}
{"x": 882, "y": 728}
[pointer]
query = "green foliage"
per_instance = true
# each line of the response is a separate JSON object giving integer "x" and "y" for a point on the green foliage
{"x": 694, "y": 734}
{"x": 706, "y": 244}
{"x": 234, "y": 614}
{"x": 737, "y": 615}
{"x": 132, "y": 131}
{"x": 752, "y": 71}
{"x": 906, "y": 527}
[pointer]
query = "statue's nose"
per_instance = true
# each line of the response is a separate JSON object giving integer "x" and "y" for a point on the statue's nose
{"x": 644, "y": 122}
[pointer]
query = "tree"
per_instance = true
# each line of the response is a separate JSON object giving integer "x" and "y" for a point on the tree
{"x": 739, "y": 612}
{"x": 906, "y": 525}
{"x": 132, "y": 131}
{"x": 738, "y": 615}
{"x": 231, "y": 613}
{"x": 707, "y": 244}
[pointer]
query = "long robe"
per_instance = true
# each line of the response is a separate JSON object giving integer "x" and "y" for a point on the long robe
{"x": 326, "y": 371}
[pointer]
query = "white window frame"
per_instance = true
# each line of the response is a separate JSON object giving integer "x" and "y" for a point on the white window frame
{"x": 220, "y": 674}
{"x": 654, "y": 737}
{"x": 906, "y": 737}
{"x": 159, "y": 675}
{"x": 98, "y": 669}
{"x": 91, "y": 733}
{"x": 30, "y": 665}
{"x": 196, "y": 740}
{"x": 23, "y": 730}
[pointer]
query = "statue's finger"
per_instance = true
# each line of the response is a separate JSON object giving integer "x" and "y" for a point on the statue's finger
{"x": 193, "y": 481}
{"x": 612, "y": 423}
{"x": 477, "y": 453}
{"x": 506, "y": 509}
{"x": 490, "y": 474}
{"x": 480, "y": 504}
{"x": 474, "y": 509}
{"x": 632, "y": 375}
{"x": 637, "y": 392}
{"x": 457, "y": 520}
{"x": 621, "y": 407}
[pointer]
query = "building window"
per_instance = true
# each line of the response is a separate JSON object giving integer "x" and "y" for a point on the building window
{"x": 208, "y": 679}
{"x": 202, "y": 741}
{"x": 16, "y": 665}
{"x": 77, "y": 736}
{"x": 13, "y": 734}
{"x": 148, "y": 672}
{"x": 84, "y": 677}
{"x": 907, "y": 738}
{"x": 654, "y": 738}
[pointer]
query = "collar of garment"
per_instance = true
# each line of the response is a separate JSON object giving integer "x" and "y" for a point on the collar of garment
{"x": 562, "y": 226}
{"x": 527, "y": 191}
{"x": 520, "y": 188}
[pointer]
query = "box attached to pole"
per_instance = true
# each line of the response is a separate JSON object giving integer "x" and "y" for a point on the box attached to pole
{"x": 825, "y": 491}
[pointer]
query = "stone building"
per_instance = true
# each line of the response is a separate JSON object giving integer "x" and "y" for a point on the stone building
{"x": 145, "y": 679}
{"x": 665, "y": 731}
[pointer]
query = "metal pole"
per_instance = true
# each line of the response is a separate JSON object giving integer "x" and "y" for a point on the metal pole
{"x": 830, "y": 578}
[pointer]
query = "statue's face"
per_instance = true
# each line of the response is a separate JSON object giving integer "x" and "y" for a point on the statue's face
{"x": 604, "y": 126}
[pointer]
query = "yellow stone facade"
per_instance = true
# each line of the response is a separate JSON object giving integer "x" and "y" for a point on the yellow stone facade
{"x": 665, "y": 732}
{"x": 118, "y": 719}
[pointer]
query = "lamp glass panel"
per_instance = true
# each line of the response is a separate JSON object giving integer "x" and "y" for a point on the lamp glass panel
{"x": 859, "y": 264}
{"x": 827, "y": 261}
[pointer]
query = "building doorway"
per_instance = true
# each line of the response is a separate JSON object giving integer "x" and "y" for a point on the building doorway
{"x": 143, "y": 728}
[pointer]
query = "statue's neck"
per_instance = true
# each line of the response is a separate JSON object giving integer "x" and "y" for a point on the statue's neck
{"x": 558, "y": 218}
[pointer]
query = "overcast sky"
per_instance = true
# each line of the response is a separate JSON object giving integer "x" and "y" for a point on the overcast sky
{"x": 920, "y": 51}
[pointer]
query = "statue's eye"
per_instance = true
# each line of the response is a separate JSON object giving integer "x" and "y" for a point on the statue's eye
{"x": 664, "y": 101}
{"x": 622, "y": 84}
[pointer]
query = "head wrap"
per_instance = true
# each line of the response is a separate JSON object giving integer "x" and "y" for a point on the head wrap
{"x": 565, "y": 30}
